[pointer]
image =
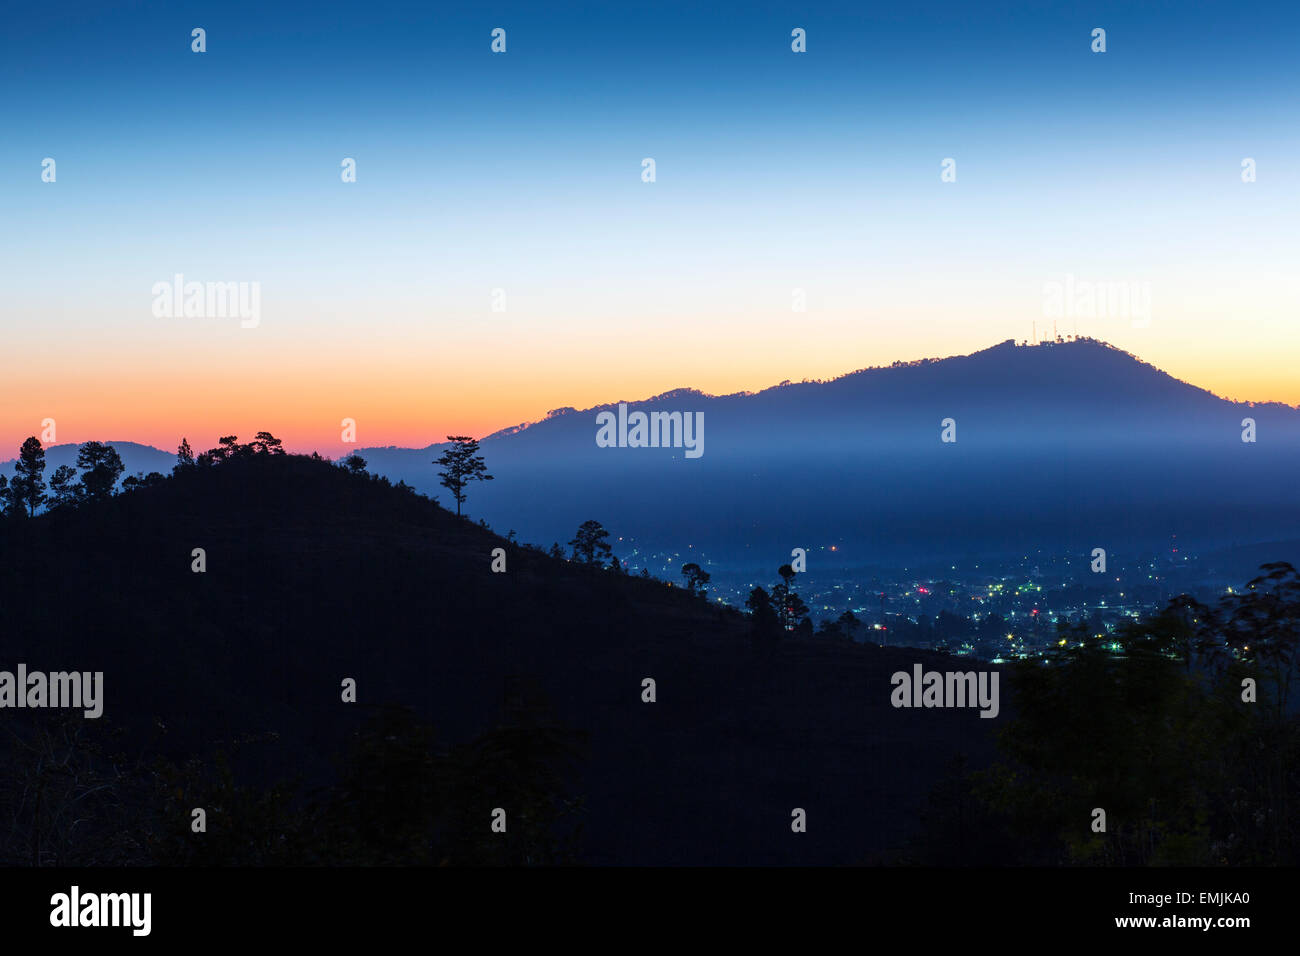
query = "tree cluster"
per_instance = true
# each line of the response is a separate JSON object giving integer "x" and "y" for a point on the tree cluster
{"x": 95, "y": 477}
{"x": 780, "y": 612}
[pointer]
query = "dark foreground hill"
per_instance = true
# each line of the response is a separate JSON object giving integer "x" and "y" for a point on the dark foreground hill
{"x": 315, "y": 575}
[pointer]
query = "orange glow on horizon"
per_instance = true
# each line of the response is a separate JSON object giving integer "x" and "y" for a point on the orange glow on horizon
{"x": 414, "y": 399}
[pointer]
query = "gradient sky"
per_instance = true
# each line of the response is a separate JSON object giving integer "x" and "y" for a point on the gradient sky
{"x": 522, "y": 171}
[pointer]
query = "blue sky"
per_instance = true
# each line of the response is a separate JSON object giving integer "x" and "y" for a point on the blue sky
{"x": 521, "y": 171}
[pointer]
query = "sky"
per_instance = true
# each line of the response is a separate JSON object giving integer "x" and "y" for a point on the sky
{"x": 522, "y": 172}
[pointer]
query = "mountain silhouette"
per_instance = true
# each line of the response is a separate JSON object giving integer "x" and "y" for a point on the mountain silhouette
{"x": 1064, "y": 446}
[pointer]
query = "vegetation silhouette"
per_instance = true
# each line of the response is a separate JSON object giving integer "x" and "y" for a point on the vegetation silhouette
{"x": 1187, "y": 738}
{"x": 697, "y": 579}
{"x": 463, "y": 465}
{"x": 591, "y": 545}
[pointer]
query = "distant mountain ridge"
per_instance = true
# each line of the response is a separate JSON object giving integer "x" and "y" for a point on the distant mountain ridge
{"x": 1056, "y": 444}
{"x": 1080, "y": 370}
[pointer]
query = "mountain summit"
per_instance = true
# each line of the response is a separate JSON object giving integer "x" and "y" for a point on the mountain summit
{"x": 1059, "y": 445}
